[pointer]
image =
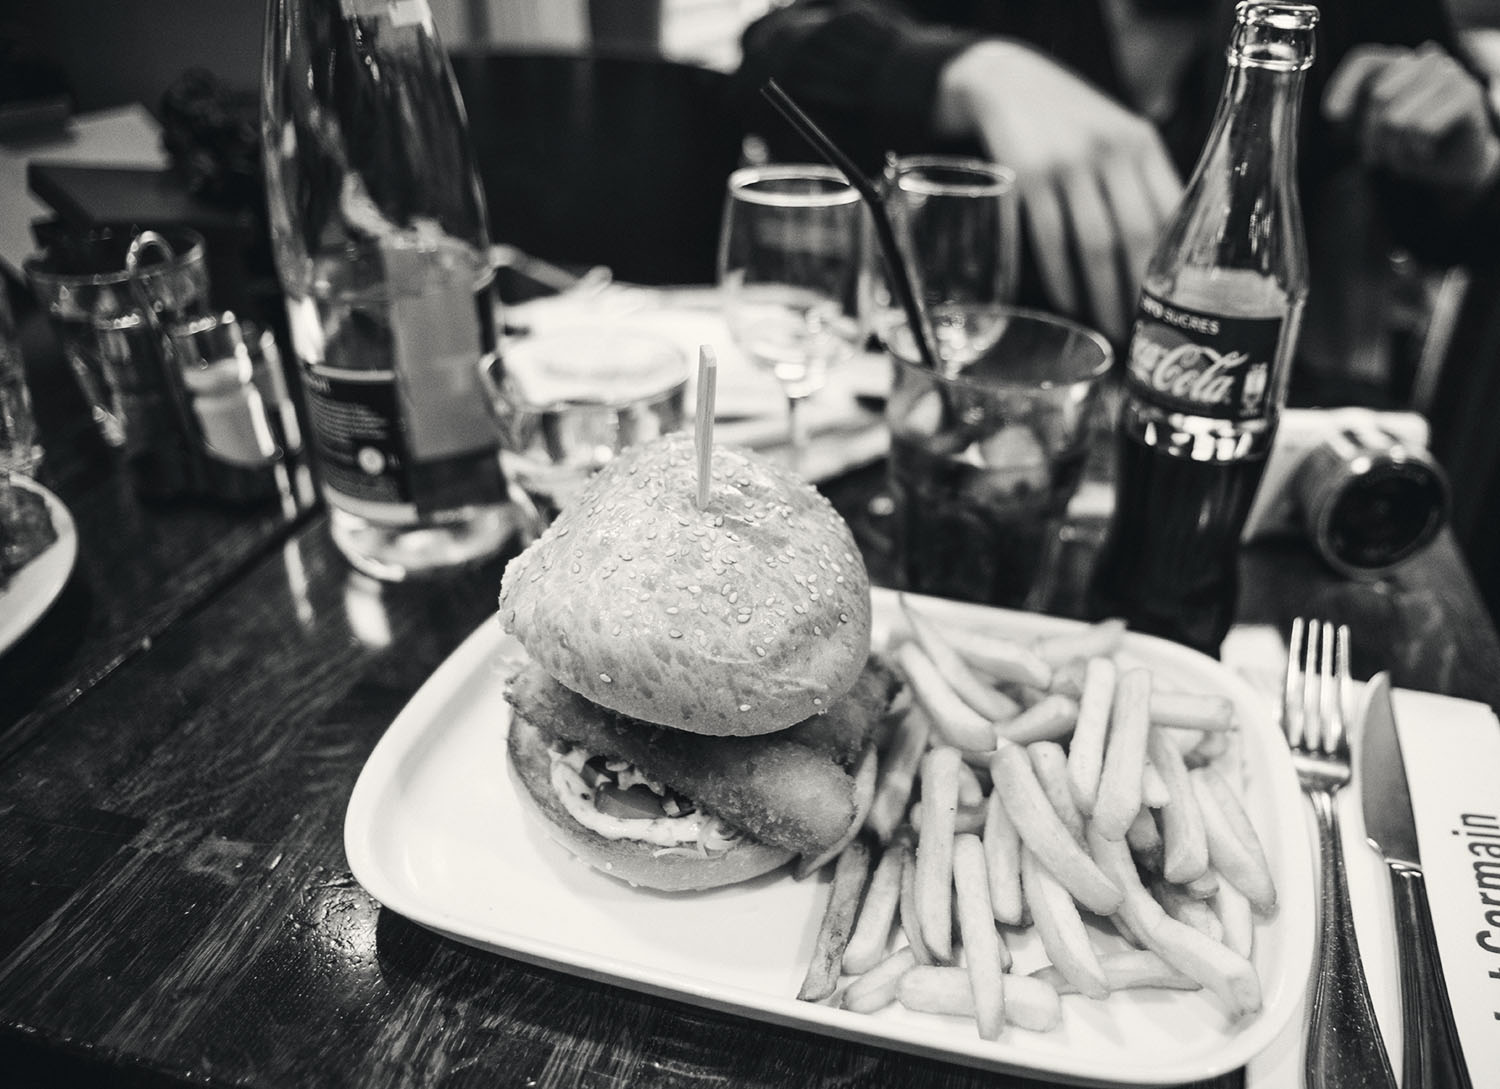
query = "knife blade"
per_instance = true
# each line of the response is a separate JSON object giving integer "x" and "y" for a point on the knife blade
{"x": 1431, "y": 1053}
{"x": 1389, "y": 824}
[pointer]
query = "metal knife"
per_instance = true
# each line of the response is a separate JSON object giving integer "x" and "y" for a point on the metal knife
{"x": 1431, "y": 1055}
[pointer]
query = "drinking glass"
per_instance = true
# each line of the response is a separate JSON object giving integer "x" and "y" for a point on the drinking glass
{"x": 956, "y": 224}
{"x": 787, "y": 267}
{"x": 97, "y": 308}
{"x": 986, "y": 457}
{"x": 568, "y": 400}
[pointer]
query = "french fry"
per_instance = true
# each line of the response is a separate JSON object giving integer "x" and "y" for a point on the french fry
{"x": 935, "y": 850}
{"x": 1030, "y": 1003}
{"x": 1002, "y": 863}
{"x": 876, "y": 989}
{"x": 907, "y": 908}
{"x": 849, "y": 876}
{"x": 970, "y": 793}
{"x": 1124, "y": 756}
{"x": 1068, "y": 678}
{"x": 1192, "y": 711}
{"x": 1184, "y": 842}
{"x": 989, "y": 702}
{"x": 967, "y": 818}
{"x": 1086, "y": 750}
{"x": 1042, "y": 830}
{"x": 953, "y": 719}
{"x": 1233, "y": 808}
{"x": 1198, "y": 914}
{"x": 1004, "y": 661}
{"x": 1238, "y": 861}
{"x": 985, "y": 956}
{"x": 864, "y": 797}
{"x": 1205, "y": 887}
{"x": 1146, "y": 842}
{"x": 1061, "y": 928}
{"x": 1096, "y": 641}
{"x": 1153, "y": 790}
{"x": 1050, "y": 763}
{"x": 1234, "y": 912}
{"x": 1048, "y": 719}
{"x": 1210, "y": 747}
{"x": 1230, "y": 976}
{"x": 877, "y": 914}
{"x": 1135, "y": 968}
{"x": 897, "y": 773}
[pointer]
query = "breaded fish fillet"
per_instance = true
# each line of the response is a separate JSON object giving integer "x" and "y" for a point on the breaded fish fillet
{"x": 778, "y": 789}
{"x": 854, "y": 721}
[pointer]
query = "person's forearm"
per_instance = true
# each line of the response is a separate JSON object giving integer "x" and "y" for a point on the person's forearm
{"x": 865, "y": 71}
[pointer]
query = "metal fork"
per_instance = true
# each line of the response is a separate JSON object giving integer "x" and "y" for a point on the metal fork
{"x": 1344, "y": 1047}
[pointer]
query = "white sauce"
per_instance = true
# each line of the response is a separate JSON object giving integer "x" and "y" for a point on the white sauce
{"x": 578, "y": 797}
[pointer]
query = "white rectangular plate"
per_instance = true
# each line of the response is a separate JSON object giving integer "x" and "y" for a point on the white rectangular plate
{"x": 434, "y": 832}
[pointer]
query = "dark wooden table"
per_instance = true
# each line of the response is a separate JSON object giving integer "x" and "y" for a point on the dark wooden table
{"x": 178, "y": 741}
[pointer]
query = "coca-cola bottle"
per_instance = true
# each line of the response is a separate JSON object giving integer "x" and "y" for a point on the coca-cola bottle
{"x": 1210, "y": 351}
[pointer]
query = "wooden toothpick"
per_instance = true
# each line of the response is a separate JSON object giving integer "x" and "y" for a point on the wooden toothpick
{"x": 708, "y": 373}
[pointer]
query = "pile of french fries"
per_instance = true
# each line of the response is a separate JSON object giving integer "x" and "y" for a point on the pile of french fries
{"x": 1044, "y": 785}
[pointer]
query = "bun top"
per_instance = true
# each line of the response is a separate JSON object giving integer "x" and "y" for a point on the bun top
{"x": 739, "y": 619}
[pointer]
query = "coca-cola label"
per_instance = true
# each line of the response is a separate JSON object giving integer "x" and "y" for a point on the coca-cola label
{"x": 1204, "y": 364}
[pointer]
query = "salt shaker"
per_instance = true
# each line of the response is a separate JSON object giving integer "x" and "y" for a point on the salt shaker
{"x": 238, "y": 446}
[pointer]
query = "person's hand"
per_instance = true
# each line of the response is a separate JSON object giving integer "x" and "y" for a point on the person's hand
{"x": 1095, "y": 182}
{"x": 1417, "y": 113}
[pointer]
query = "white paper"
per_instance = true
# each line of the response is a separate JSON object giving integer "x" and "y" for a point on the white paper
{"x": 1451, "y": 750}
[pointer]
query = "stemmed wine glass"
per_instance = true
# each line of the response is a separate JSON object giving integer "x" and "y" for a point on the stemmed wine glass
{"x": 788, "y": 264}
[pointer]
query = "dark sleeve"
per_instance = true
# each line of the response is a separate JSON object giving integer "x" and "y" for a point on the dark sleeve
{"x": 866, "y": 72}
{"x": 1440, "y": 230}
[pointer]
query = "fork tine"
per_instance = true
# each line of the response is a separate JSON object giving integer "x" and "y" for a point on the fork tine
{"x": 1328, "y": 694}
{"x": 1293, "y": 714}
{"x": 1312, "y": 702}
{"x": 1336, "y": 741}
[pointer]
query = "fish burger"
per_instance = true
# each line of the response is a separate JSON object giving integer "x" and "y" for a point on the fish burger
{"x": 697, "y": 690}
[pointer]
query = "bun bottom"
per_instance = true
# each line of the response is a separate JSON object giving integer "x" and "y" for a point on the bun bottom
{"x": 632, "y": 861}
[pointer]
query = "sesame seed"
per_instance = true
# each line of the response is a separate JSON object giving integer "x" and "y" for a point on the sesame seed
{"x": 798, "y": 609}
{"x": 817, "y": 701}
{"x": 606, "y": 678}
{"x": 744, "y": 707}
{"x": 843, "y": 618}
{"x": 672, "y": 610}
{"x": 674, "y": 633}
{"x": 817, "y": 630}
{"x": 761, "y": 651}
{"x": 744, "y": 618}
{"x": 734, "y": 596}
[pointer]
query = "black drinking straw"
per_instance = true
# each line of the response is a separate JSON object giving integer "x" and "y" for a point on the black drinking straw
{"x": 900, "y": 277}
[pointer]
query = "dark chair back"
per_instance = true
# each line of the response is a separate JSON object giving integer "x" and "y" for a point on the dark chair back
{"x": 613, "y": 160}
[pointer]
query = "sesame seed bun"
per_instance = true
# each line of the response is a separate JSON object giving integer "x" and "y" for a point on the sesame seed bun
{"x": 738, "y": 619}
{"x": 634, "y": 861}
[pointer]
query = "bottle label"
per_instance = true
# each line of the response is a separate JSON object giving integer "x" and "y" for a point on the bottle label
{"x": 356, "y": 425}
{"x": 1200, "y": 363}
{"x": 365, "y": 453}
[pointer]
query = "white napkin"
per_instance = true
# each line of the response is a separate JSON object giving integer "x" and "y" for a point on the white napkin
{"x": 1452, "y": 755}
{"x": 749, "y": 405}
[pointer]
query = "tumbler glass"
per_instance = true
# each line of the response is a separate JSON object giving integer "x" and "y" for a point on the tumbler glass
{"x": 984, "y": 460}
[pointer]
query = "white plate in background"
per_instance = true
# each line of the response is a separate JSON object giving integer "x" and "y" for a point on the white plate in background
{"x": 32, "y": 589}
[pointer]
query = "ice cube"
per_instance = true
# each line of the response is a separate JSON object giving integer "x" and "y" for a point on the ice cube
{"x": 1016, "y": 460}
